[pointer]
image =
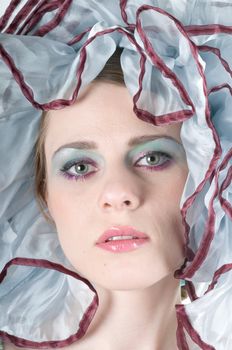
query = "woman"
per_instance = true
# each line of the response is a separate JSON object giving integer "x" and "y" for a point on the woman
{"x": 49, "y": 298}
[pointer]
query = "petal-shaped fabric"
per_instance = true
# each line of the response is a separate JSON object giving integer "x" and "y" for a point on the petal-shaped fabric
{"x": 177, "y": 65}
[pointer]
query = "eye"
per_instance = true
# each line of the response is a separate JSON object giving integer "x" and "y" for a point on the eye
{"x": 154, "y": 160}
{"x": 78, "y": 170}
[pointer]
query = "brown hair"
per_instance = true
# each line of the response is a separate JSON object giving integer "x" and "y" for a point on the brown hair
{"x": 111, "y": 73}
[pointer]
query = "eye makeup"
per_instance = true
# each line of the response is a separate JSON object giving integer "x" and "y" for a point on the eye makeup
{"x": 68, "y": 157}
{"x": 68, "y": 161}
{"x": 163, "y": 145}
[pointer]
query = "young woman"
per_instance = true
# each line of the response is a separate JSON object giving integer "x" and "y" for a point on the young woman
{"x": 132, "y": 176}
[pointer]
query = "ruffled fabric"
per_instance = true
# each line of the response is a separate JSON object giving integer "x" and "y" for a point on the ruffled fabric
{"x": 176, "y": 53}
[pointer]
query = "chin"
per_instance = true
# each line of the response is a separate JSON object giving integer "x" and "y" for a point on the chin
{"x": 126, "y": 281}
{"x": 126, "y": 272}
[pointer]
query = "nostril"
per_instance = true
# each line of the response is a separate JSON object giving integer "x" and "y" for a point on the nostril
{"x": 106, "y": 205}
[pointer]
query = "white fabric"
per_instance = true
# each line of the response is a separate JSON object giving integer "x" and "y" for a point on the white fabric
{"x": 175, "y": 68}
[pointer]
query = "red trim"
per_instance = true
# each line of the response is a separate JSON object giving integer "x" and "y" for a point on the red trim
{"x": 36, "y": 15}
{"x": 184, "y": 322}
{"x": 78, "y": 37}
{"x": 45, "y": 264}
{"x": 163, "y": 119}
{"x": 209, "y": 231}
{"x": 7, "y": 14}
{"x": 21, "y": 15}
{"x": 220, "y": 87}
{"x": 224, "y": 203}
{"x": 208, "y": 29}
{"x": 151, "y": 117}
{"x": 131, "y": 27}
{"x": 142, "y": 114}
{"x": 226, "y": 206}
{"x": 216, "y": 52}
{"x": 85, "y": 321}
{"x": 202, "y": 252}
{"x": 181, "y": 338}
{"x": 83, "y": 327}
{"x": 226, "y": 160}
{"x": 26, "y": 90}
{"x": 157, "y": 61}
{"x": 223, "y": 269}
{"x": 122, "y": 4}
{"x": 59, "y": 103}
{"x": 59, "y": 16}
{"x": 136, "y": 97}
{"x": 201, "y": 255}
{"x": 207, "y": 238}
{"x": 145, "y": 115}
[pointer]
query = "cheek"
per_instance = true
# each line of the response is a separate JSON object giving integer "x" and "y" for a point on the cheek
{"x": 70, "y": 212}
{"x": 166, "y": 196}
{"x": 65, "y": 204}
{"x": 67, "y": 217}
{"x": 168, "y": 216}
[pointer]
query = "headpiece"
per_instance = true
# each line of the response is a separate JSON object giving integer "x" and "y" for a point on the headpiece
{"x": 176, "y": 60}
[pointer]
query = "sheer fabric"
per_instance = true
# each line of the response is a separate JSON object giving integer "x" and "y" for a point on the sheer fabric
{"x": 176, "y": 62}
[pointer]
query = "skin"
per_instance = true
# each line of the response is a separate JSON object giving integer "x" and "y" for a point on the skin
{"x": 141, "y": 282}
{"x": 100, "y": 199}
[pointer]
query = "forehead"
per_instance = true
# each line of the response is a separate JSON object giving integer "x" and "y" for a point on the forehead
{"x": 102, "y": 112}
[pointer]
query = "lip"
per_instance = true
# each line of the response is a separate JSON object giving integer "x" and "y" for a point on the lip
{"x": 124, "y": 245}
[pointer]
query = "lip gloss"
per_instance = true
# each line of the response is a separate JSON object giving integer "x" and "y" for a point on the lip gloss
{"x": 123, "y": 245}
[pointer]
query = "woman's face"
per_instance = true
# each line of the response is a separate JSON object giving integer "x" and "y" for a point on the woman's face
{"x": 99, "y": 175}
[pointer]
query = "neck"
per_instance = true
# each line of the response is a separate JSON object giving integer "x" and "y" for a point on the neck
{"x": 136, "y": 319}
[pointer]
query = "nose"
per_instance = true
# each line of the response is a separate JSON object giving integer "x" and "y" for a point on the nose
{"x": 120, "y": 194}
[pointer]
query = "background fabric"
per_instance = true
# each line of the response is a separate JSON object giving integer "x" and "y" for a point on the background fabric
{"x": 176, "y": 61}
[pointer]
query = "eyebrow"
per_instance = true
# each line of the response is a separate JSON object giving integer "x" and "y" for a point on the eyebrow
{"x": 134, "y": 141}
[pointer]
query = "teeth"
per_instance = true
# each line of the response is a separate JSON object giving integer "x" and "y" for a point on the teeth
{"x": 116, "y": 238}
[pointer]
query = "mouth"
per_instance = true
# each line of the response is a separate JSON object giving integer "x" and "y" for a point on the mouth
{"x": 121, "y": 239}
{"x": 118, "y": 238}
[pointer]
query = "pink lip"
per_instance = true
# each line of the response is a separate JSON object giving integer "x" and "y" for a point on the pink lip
{"x": 122, "y": 245}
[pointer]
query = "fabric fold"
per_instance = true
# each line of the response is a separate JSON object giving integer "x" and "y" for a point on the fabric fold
{"x": 176, "y": 60}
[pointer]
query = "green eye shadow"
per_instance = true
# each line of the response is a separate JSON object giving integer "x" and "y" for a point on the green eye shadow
{"x": 164, "y": 145}
{"x": 69, "y": 155}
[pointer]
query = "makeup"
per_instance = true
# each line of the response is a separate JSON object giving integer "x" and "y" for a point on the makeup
{"x": 121, "y": 246}
{"x": 66, "y": 158}
{"x": 154, "y": 155}
{"x": 162, "y": 145}
{"x": 119, "y": 239}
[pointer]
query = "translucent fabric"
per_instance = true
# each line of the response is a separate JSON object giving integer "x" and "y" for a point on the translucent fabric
{"x": 176, "y": 60}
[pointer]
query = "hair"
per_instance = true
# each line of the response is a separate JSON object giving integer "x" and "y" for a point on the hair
{"x": 111, "y": 73}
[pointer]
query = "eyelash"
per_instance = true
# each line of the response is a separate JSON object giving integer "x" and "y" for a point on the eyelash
{"x": 64, "y": 171}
